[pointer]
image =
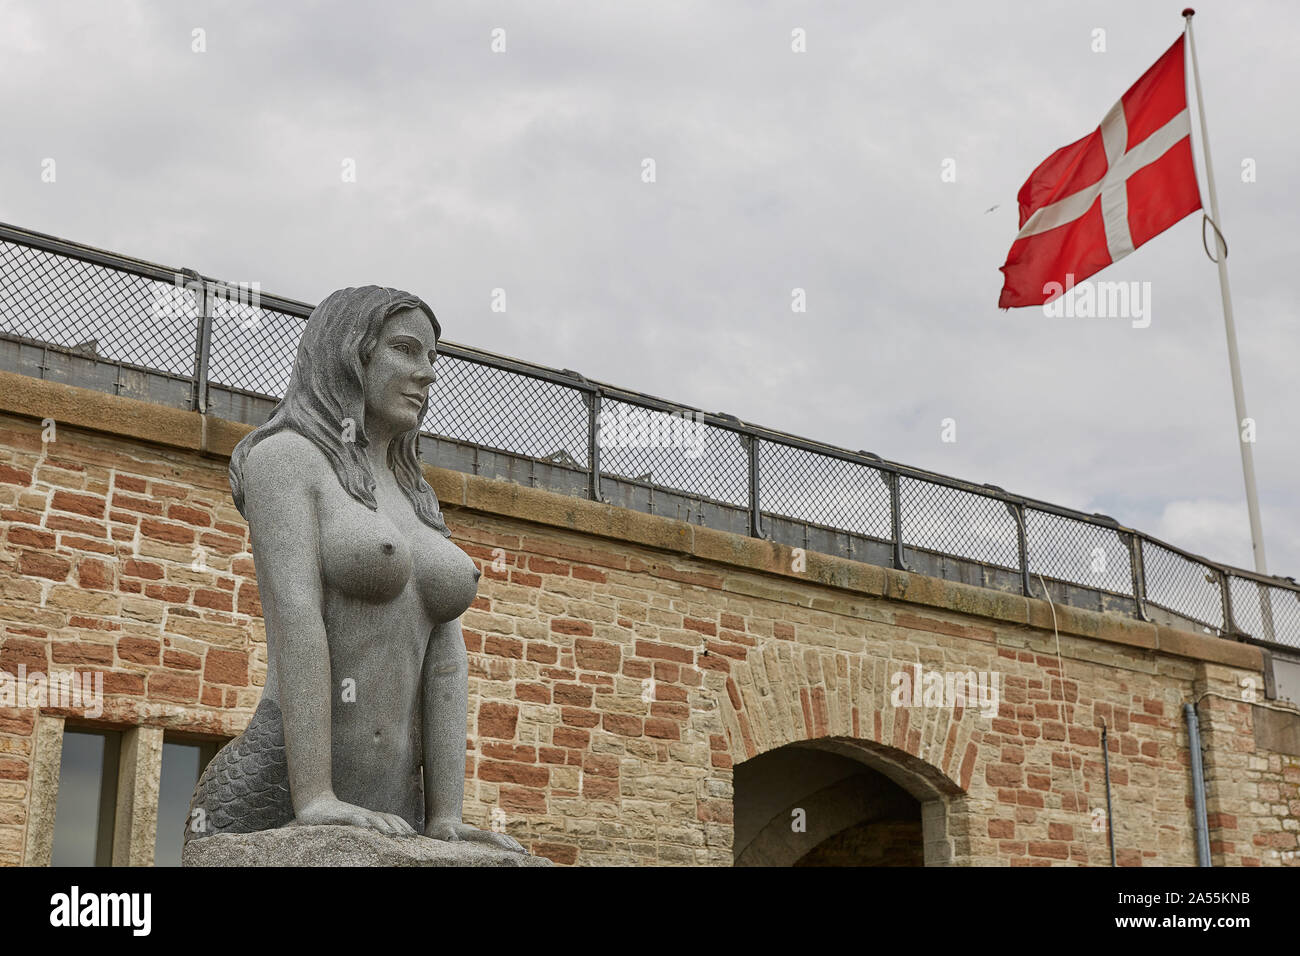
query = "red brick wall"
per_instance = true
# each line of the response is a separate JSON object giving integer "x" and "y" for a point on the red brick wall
{"x": 571, "y": 749}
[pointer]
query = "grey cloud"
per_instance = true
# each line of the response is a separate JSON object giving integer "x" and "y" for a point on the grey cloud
{"x": 775, "y": 170}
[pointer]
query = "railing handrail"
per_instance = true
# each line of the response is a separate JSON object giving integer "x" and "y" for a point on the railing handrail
{"x": 598, "y": 391}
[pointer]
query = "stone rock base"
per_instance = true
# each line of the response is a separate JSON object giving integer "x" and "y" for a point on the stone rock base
{"x": 344, "y": 846}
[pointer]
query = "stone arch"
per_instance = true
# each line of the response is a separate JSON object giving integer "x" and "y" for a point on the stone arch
{"x": 801, "y": 805}
{"x": 829, "y": 700}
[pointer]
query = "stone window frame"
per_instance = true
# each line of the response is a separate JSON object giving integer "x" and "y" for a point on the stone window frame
{"x": 139, "y": 772}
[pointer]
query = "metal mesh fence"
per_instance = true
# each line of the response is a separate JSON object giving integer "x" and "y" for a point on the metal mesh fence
{"x": 1265, "y": 612}
{"x": 500, "y": 409}
{"x": 105, "y": 307}
{"x": 97, "y": 311}
{"x": 252, "y": 348}
{"x": 1181, "y": 585}
{"x": 820, "y": 489}
{"x": 1086, "y": 554}
{"x": 1283, "y": 605}
{"x": 677, "y": 451}
{"x": 961, "y": 523}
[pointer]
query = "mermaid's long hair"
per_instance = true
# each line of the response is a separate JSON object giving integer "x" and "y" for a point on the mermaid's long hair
{"x": 327, "y": 391}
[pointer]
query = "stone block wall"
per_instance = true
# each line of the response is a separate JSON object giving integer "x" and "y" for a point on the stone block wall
{"x": 621, "y": 665}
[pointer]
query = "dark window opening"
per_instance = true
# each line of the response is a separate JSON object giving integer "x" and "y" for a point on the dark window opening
{"x": 183, "y": 759}
{"x": 86, "y": 808}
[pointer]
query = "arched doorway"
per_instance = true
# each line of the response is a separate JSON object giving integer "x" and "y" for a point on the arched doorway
{"x": 836, "y": 802}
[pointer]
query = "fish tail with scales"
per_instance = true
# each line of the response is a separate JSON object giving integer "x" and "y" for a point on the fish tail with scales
{"x": 246, "y": 786}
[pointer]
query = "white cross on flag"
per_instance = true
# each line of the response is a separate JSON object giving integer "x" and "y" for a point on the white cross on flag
{"x": 1093, "y": 202}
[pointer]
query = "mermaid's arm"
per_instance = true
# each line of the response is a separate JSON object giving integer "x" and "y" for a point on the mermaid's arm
{"x": 444, "y": 699}
{"x": 281, "y": 501}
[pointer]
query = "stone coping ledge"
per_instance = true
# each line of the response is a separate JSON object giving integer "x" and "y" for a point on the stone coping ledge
{"x": 216, "y": 437}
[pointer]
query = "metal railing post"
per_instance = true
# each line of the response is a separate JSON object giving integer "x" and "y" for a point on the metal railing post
{"x": 203, "y": 339}
{"x": 755, "y": 510}
{"x": 1139, "y": 578}
{"x": 1266, "y": 611}
{"x": 1225, "y": 599}
{"x": 593, "y": 443}
{"x": 1017, "y": 510}
{"x": 896, "y": 520}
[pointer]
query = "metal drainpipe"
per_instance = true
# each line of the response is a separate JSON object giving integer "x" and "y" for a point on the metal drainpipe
{"x": 1110, "y": 816}
{"x": 1198, "y": 786}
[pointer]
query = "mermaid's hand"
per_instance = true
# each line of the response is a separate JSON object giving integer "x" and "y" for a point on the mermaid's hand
{"x": 330, "y": 810}
{"x": 451, "y": 830}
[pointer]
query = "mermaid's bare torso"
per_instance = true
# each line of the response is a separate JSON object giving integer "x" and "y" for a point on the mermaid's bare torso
{"x": 387, "y": 581}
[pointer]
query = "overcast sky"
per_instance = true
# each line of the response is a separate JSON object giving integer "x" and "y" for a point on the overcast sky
{"x": 775, "y": 170}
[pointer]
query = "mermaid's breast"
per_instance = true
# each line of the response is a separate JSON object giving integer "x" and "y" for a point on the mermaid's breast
{"x": 445, "y": 577}
{"x": 362, "y": 553}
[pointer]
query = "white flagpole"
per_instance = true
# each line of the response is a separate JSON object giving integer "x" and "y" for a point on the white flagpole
{"x": 1238, "y": 395}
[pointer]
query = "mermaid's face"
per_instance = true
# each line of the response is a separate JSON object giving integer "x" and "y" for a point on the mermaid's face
{"x": 400, "y": 371}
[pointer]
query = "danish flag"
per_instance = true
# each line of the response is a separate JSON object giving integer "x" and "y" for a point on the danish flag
{"x": 1093, "y": 202}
